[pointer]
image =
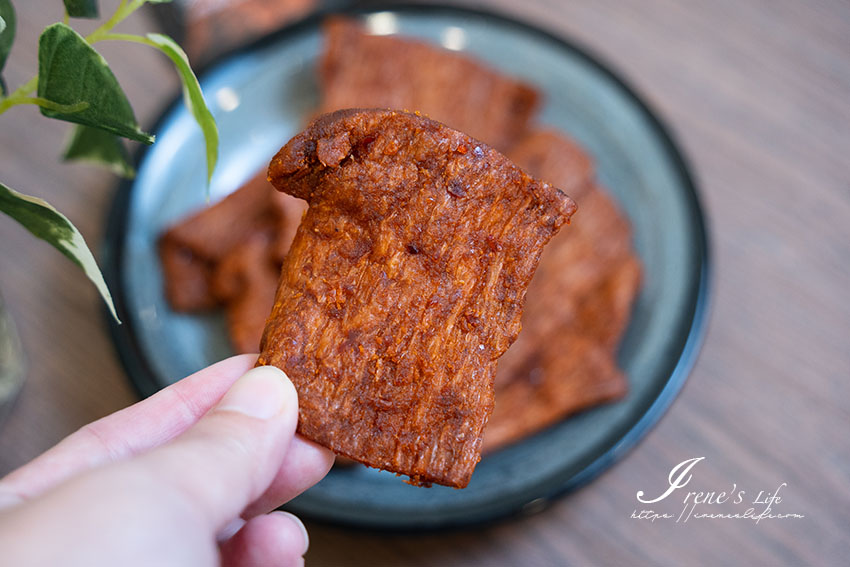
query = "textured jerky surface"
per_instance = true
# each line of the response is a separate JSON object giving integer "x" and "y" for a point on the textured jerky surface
{"x": 362, "y": 70}
{"x": 577, "y": 307}
{"x": 404, "y": 284}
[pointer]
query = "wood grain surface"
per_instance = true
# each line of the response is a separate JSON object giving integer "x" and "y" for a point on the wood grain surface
{"x": 758, "y": 95}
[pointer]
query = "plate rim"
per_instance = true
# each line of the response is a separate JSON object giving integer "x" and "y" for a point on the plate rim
{"x": 620, "y": 440}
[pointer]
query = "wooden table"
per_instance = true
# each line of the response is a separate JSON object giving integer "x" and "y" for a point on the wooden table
{"x": 758, "y": 93}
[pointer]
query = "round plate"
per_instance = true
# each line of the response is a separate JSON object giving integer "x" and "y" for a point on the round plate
{"x": 262, "y": 95}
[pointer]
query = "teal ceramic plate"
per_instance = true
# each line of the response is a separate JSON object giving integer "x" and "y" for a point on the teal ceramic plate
{"x": 261, "y": 97}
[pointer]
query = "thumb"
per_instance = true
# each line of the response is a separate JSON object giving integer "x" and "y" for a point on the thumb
{"x": 230, "y": 456}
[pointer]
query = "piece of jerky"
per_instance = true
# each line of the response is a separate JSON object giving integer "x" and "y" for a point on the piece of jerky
{"x": 362, "y": 70}
{"x": 577, "y": 308}
{"x": 190, "y": 250}
{"x": 574, "y": 269}
{"x": 548, "y": 154}
{"x": 288, "y": 212}
{"x": 404, "y": 284}
{"x": 246, "y": 279}
{"x": 570, "y": 374}
{"x": 186, "y": 277}
{"x": 213, "y": 231}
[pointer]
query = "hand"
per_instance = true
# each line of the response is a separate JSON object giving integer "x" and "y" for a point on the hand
{"x": 186, "y": 477}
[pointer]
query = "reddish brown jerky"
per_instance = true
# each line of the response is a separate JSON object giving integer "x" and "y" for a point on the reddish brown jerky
{"x": 572, "y": 374}
{"x": 288, "y": 212}
{"x": 573, "y": 270}
{"x": 578, "y": 303}
{"x": 190, "y": 250}
{"x": 186, "y": 277}
{"x": 247, "y": 277}
{"x": 548, "y": 154}
{"x": 404, "y": 284}
{"x": 362, "y": 70}
{"x": 577, "y": 307}
{"x": 213, "y": 231}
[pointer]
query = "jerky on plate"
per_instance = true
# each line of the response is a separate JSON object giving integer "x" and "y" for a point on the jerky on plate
{"x": 191, "y": 249}
{"x": 564, "y": 360}
{"x": 550, "y": 155}
{"x": 229, "y": 255}
{"x": 358, "y": 69}
{"x": 403, "y": 286}
{"x": 578, "y": 306}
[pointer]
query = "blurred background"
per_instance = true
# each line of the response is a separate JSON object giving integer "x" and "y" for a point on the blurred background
{"x": 757, "y": 93}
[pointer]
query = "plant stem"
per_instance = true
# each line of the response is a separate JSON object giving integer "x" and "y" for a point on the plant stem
{"x": 45, "y": 103}
{"x": 124, "y": 9}
{"x": 21, "y": 94}
{"x": 127, "y": 37}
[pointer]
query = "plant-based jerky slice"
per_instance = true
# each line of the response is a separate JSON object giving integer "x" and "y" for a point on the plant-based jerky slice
{"x": 574, "y": 374}
{"x": 573, "y": 288}
{"x": 387, "y": 71}
{"x": 230, "y": 254}
{"x": 246, "y": 279}
{"x": 550, "y": 155}
{"x": 403, "y": 286}
{"x": 190, "y": 250}
{"x": 578, "y": 305}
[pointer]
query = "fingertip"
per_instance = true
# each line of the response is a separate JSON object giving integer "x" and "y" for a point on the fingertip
{"x": 278, "y": 373}
{"x": 322, "y": 459}
{"x": 278, "y": 538}
{"x": 273, "y": 372}
{"x": 296, "y": 521}
{"x": 262, "y": 392}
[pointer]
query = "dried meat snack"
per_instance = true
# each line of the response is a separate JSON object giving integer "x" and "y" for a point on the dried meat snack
{"x": 576, "y": 373}
{"x": 211, "y": 232}
{"x": 573, "y": 270}
{"x": 246, "y": 280}
{"x": 187, "y": 277}
{"x": 548, "y": 154}
{"x": 190, "y": 249}
{"x": 362, "y": 70}
{"x": 404, "y": 284}
{"x": 569, "y": 365}
{"x": 577, "y": 307}
{"x": 288, "y": 211}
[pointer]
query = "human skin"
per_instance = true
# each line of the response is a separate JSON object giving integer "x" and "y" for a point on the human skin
{"x": 187, "y": 477}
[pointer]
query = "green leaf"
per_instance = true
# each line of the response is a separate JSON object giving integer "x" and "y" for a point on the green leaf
{"x": 81, "y": 8}
{"x": 70, "y": 71}
{"x": 45, "y": 222}
{"x": 7, "y": 30}
{"x": 192, "y": 96}
{"x": 99, "y": 147}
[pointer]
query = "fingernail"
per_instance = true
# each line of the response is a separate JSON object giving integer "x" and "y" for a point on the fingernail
{"x": 230, "y": 529}
{"x": 260, "y": 393}
{"x": 297, "y": 521}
